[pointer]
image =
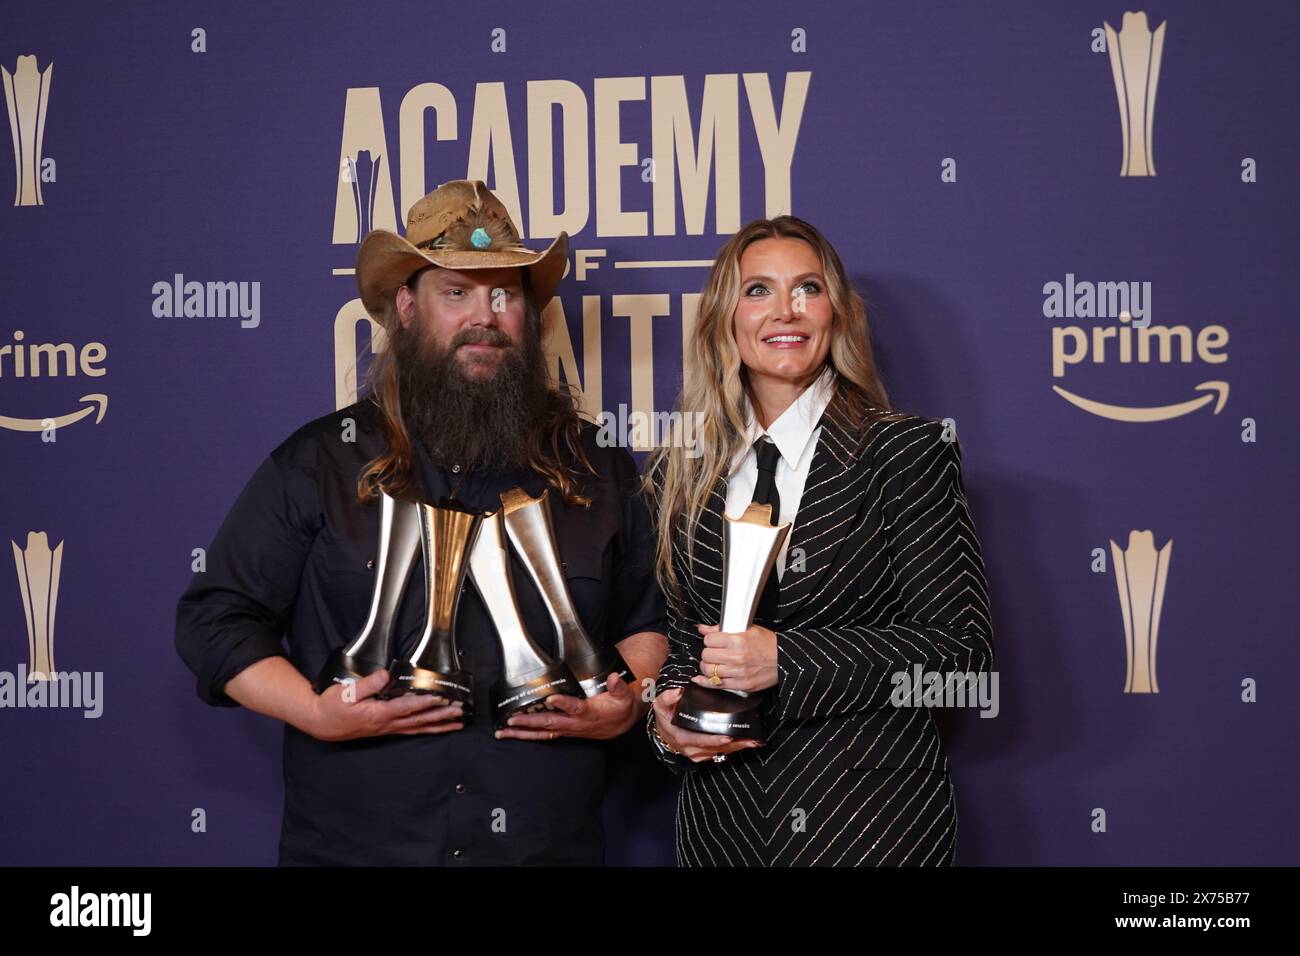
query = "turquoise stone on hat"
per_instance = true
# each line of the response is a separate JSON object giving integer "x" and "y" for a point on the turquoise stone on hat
{"x": 480, "y": 238}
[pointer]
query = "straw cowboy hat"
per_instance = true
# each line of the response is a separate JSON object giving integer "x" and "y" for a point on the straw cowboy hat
{"x": 460, "y": 225}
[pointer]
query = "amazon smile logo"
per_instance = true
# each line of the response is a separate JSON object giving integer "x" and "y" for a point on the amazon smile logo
{"x": 20, "y": 359}
{"x": 1122, "y": 333}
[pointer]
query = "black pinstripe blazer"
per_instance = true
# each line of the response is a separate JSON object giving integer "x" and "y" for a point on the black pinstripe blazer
{"x": 893, "y": 577}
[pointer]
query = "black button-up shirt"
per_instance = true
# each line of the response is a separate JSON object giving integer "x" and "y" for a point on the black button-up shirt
{"x": 295, "y": 559}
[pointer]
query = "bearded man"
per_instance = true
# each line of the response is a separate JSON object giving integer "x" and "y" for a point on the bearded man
{"x": 460, "y": 404}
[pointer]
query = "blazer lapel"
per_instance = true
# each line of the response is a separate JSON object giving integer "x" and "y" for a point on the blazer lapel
{"x": 826, "y": 509}
{"x": 703, "y": 579}
{"x": 815, "y": 540}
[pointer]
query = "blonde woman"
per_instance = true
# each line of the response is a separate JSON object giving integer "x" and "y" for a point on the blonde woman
{"x": 881, "y": 573}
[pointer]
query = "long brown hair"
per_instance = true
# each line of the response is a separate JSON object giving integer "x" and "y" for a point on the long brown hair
{"x": 556, "y": 451}
{"x": 716, "y": 384}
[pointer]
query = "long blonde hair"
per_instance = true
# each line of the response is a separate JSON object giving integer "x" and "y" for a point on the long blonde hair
{"x": 716, "y": 384}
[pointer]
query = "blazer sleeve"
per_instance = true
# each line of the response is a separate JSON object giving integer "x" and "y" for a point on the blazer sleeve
{"x": 680, "y": 666}
{"x": 682, "y": 662}
{"x": 944, "y": 624}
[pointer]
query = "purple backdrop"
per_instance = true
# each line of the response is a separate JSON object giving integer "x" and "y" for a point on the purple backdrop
{"x": 960, "y": 156}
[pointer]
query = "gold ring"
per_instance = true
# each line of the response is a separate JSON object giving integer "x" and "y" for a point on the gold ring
{"x": 715, "y": 679}
{"x": 552, "y": 737}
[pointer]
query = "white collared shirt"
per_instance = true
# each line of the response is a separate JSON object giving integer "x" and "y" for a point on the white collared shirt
{"x": 795, "y": 433}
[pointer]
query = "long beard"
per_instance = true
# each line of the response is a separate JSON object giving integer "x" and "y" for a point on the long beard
{"x": 482, "y": 422}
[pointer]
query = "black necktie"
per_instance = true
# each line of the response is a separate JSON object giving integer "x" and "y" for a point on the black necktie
{"x": 765, "y": 493}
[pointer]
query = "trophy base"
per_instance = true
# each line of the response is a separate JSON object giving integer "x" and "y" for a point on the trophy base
{"x": 524, "y": 696}
{"x": 408, "y": 678}
{"x": 592, "y": 670}
{"x": 343, "y": 668}
{"x": 707, "y": 710}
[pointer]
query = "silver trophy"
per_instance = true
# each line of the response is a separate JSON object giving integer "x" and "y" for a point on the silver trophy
{"x": 529, "y": 676}
{"x": 528, "y": 523}
{"x": 447, "y": 533}
{"x": 750, "y": 545}
{"x": 372, "y": 648}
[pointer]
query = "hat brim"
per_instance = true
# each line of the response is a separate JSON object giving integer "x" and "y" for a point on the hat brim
{"x": 386, "y": 260}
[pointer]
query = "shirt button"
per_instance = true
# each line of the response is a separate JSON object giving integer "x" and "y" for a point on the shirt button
{"x": 458, "y": 853}
{"x": 370, "y": 565}
{"x": 460, "y": 788}
{"x": 455, "y": 470}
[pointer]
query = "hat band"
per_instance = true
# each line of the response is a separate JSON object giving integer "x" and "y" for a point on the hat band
{"x": 441, "y": 241}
